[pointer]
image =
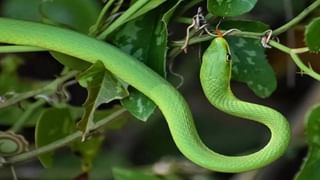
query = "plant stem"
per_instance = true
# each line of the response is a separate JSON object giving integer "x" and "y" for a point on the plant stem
{"x": 293, "y": 54}
{"x": 94, "y": 28}
{"x": 246, "y": 34}
{"x": 305, "y": 69}
{"x": 297, "y": 19}
{"x": 123, "y": 18}
{"x": 281, "y": 47}
{"x": 50, "y": 88}
{"x": 61, "y": 142}
{"x": 13, "y": 172}
{"x": 188, "y": 6}
{"x": 203, "y": 38}
{"x": 301, "y": 50}
{"x": 19, "y": 49}
{"x": 117, "y": 7}
{"x": 183, "y": 20}
{"x": 25, "y": 116}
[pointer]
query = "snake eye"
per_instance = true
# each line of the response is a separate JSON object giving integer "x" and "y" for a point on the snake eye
{"x": 228, "y": 57}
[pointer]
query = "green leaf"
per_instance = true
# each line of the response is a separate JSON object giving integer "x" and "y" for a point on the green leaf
{"x": 54, "y": 124}
{"x": 21, "y": 9}
{"x": 251, "y": 66}
{"x": 126, "y": 174}
{"x": 79, "y": 14}
{"x": 230, "y": 7}
{"x": 135, "y": 10}
{"x": 146, "y": 8}
{"x": 146, "y": 39}
{"x": 71, "y": 62}
{"x": 9, "y": 115}
{"x": 139, "y": 105}
{"x": 312, "y": 35}
{"x": 116, "y": 123}
{"x": 244, "y": 25}
{"x": 249, "y": 60}
{"x": 102, "y": 88}
{"x": 311, "y": 166}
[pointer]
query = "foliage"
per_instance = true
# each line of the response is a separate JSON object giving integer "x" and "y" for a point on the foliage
{"x": 146, "y": 30}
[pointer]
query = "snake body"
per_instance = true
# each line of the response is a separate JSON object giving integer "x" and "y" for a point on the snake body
{"x": 167, "y": 98}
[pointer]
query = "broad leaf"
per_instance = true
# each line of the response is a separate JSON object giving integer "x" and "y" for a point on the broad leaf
{"x": 310, "y": 169}
{"x": 251, "y": 66}
{"x": 139, "y": 105}
{"x": 244, "y": 25}
{"x": 54, "y": 124}
{"x": 79, "y": 14}
{"x": 147, "y": 42}
{"x": 102, "y": 88}
{"x": 312, "y": 35}
{"x": 230, "y": 7}
{"x": 9, "y": 115}
{"x": 249, "y": 60}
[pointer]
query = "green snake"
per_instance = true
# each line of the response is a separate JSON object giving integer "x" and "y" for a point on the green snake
{"x": 215, "y": 79}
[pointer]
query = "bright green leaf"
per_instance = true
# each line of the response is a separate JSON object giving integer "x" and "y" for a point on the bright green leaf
{"x": 126, "y": 174}
{"x": 102, "y": 88}
{"x": 312, "y": 35}
{"x": 230, "y": 7}
{"x": 139, "y": 105}
{"x": 251, "y": 66}
{"x": 310, "y": 169}
{"x": 54, "y": 124}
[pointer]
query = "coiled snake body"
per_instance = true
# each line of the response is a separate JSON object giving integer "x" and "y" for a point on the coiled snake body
{"x": 215, "y": 77}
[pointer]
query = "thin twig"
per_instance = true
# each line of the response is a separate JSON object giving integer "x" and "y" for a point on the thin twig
{"x": 297, "y": 19}
{"x": 95, "y": 28}
{"x": 26, "y": 115}
{"x": 61, "y": 142}
{"x": 50, "y": 88}
{"x": 292, "y": 52}
{"x": 13, "y": 172}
